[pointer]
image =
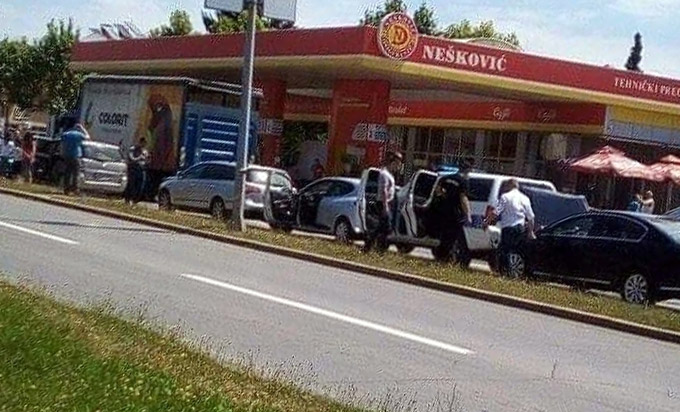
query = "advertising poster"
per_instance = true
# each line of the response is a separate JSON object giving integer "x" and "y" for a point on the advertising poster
{"x": 110, "y": 111}
{"x": 120, "y": 113}
{"x": 159, "y": 123}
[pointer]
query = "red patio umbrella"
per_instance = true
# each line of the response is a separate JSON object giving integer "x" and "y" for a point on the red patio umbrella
{"x": 613, "y": 162}
{"x": 669, "y": 166}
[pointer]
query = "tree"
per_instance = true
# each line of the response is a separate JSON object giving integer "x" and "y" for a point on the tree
{"x": 372, "y": 17}
{"x": 635, "y": 57}
{"x": 228, "y": 22}
{"x": 485, "y": 29}
{"x": 180, "y": 25}
{"x": 59, "y": 84}
{"x": 19, "y": 76}
{"x": 425, "y": 20}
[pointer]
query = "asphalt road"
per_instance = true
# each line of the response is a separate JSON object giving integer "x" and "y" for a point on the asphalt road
{"x": 337, "y": 329}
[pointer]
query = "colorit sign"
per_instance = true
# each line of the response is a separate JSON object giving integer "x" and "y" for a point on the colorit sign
{"x": 398, "y": 36}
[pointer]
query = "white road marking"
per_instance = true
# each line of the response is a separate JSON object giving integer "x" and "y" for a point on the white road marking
{"x": 36, "y": 233}
{"x": 333, "y": 315}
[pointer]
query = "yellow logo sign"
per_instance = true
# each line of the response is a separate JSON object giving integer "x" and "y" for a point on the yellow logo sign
{"x": 397, "y": 36}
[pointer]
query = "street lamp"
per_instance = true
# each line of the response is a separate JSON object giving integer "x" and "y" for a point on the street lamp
{"x": 274, "y": 9}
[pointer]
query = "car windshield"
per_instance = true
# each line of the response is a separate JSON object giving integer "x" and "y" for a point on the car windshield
{"x": 260, "y": 177}
{"x": 102, "y": 153}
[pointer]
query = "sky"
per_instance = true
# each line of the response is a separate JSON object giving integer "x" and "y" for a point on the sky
{"x": 591, "y": 31}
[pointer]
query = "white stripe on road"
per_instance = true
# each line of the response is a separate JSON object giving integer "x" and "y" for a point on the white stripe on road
{"x": 36, "y": 233}
{"x": 334, "y": 315}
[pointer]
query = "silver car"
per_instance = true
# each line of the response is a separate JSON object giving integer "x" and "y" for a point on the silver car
{"x": 328, "y": 206}
{"x": 102, "y": 169}
{"x": 209, "y": 186}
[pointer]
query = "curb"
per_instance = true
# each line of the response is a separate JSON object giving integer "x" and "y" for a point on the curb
{"x": 492, "y": 297}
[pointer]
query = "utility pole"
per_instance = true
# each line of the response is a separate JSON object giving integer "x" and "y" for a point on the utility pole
{"x": 242, "y": 152}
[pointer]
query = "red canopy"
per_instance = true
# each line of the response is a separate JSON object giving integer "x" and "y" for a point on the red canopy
{"x": 611, "y": 161}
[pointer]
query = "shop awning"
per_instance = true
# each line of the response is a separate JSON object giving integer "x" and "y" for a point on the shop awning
{"x": 613, "y": 162}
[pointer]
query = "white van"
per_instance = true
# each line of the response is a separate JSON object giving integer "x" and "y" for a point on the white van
{"x": 413, "y": 199}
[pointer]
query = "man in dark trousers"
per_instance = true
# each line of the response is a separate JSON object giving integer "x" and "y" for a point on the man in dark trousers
{"x": 516, "y": 218}
{"x": 450, "y": 212}
{"x": 72, "y": 150}
{"x": 386, "y": 203}
{"x": 136, "y": 162}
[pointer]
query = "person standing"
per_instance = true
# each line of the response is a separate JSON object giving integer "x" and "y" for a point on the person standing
{"x": 72, "y": 151}
{"x": 648, "y": 203}
{"x": 377, "y": 236}
{"x": 516, "y": 218}
{"x": 318, "y": 170}
{"x": 136, "y": 160}
{"x": 455, "y": 216}
{"x": 635, "y": 204}
{"x": 28, "y": 149}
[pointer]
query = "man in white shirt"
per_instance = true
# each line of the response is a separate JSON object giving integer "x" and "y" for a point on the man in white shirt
{"x": 386, "y": 203}
{"x": 516, "y": 219}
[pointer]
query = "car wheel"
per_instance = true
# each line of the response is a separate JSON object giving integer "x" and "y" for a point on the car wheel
{"x": 405, "y": 249}
{"x": 218, "y": 210}
{"x": 343, "y": 231}
{"x": 165, "y": 201}
{"x": 517, "y": 265}
{"x": 637, "y": 289}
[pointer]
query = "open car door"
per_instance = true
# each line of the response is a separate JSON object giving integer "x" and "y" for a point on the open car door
{"x": 367, "y": 199}
{"x": 414, "y": 211}
{"x": 280, "y": 201}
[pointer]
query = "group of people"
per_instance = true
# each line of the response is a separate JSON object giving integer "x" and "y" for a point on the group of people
{"x": 450, "y": 211}
{"x": 18, "y": 146}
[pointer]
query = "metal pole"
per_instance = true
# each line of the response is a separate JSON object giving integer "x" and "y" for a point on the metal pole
{"x": 244, "y": 126}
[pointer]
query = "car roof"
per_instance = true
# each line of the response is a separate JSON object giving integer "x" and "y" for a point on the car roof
{"x": 215, "y": 162}
{"x": 353, "y": 181}
{"x": 507, "y": 177}
{"x": 99, "y": 144}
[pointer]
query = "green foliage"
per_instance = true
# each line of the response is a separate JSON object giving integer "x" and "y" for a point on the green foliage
{"x": 372, "y": 17}
{"x": 226, "y": 22}
{"x": 38, "y": 74}
{"x": 180, "y": 25}
{"x": 635, "y": 57}
{"x": 60, "y": 85}
{"x": 485, "y": 29}
{"x": 19, "y": 76}
{"x": 58, "y": 358}
{"x": 426, "y": 21}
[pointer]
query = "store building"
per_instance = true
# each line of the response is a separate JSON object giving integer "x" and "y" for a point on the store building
{"x": 438, "y": 100}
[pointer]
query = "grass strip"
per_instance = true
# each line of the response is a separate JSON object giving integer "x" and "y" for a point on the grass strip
{"x": 601, "y": 305}
{"x": 56, "y": 357}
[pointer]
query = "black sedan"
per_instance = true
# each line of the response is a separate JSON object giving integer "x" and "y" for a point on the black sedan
{"x": 634, "y": 254}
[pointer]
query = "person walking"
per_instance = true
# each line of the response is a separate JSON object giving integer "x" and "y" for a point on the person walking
{"x": 648, "y": 203}
{"x": 28, "y": 149}
{"x": 377, "y": 235}
{"x": 136, "y": 161}
{"x": 72, "y": 151}
{"x": 516, "y": 219}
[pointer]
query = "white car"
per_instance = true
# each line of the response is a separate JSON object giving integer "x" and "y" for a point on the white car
{"x": 412, "y": 200}
{"x": 102, "y": 169}
{"x": 209, "y": 186}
